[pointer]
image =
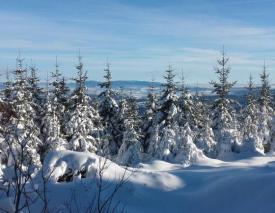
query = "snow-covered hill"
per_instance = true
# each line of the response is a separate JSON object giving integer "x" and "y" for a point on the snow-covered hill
{"x": 208, "y": 186}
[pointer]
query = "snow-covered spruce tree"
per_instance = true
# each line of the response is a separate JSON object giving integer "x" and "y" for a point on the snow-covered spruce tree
{"x": 251, "y": 141}
{"x": 6, "y": 112}
{"x": 129, "y": 153}
{"x": 204, "y": 135}
{"x": 205, "y": 139}
{"x": 5, "y": 103}
{"x": 201, "y": 110}
{"x": 61, "y": 92}
{"x": 131, "y": 136}
{"x": 265, "y": 111}
{"x": 37, "y": 96}
{"x": 60, "y": 89}
{"x": 164, "y": 142}
{"x": 223, "y": 113}
{"x": 21, "y": 145}
{"x": 7, "y": 91}
{"x": 149, "y": 117}
{"x": 128, "y": 122}
{"x": 108, "y": 110}
{"x": 52, "y": 137}
{"x": 166, "y": 119}
{"x": 186, "y": 111}
{"x": 123, "y": 113}
{"x": 189, "y": 121}
{"x": 21, "y": 137}
{"x": 167, "y": 105}
{"x": 133, "y": 111}
{"x": 83, "y": 121}
{"x": 186, "y": 151}
{"x": 154, "y": 141}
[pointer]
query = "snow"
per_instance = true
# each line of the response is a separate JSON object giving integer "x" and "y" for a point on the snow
{"x": 6, "y": 205}
{"x": 209, "y": 185}
{"x": 57, "y": 163}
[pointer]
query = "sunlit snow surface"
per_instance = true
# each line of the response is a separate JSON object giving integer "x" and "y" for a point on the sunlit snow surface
{"x": 246, "y": 185}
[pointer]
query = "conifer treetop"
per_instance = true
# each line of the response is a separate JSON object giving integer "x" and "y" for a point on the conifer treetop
{"x": 250, "y": 95}
{"x": 169, "y": 77}
{"x": 265, "y": 93}
{"x": 80, "y": 91}
{"x": 222, "y": 86}
{"x": 107, "y": 84}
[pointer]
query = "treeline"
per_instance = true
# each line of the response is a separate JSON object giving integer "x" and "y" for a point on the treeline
{"x": 176, "y": 126}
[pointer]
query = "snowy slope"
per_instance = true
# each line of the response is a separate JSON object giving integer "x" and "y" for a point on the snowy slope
{"x": 208, "y": 186}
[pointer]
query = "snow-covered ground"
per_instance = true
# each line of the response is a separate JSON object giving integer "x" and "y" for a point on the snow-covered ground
{"x": 246, "y": 185}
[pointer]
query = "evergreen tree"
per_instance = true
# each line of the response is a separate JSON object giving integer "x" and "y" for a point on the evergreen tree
{"x": 37, "y": 96}
{"x": 251, "y": 140}
{"x": 6, "y": 104}
{"x": 200, "y": 109}
{"x": 154, "y": 141}
{"x": 113, "y": 135}
{"x": 35, "y": 89}
{"x": 22, "y": 142}
{"x": 265, "y": 93}
{"x": 129, "y": 153}
{"x": 204, "y": 136}
{"x": 128, "y": 122}
{"x": 167, "y": 106}
{"x": 52, "y": 137}
{"x": 56, "y": 76}
{"x": 6, "y": 112}
{"x": 185, "y": 150}
{"x": 205, "y": 139}
{"x": 223, "y": 113}
{"x": 7, "y": 91}
{"x": 163, "y": 143}
{"x": 60, "y": 96}
{"x": 190, "y": 120}
{"x": 83, "y": 121}
{"x": 149, "y": 117}
{"x": 133, "y": 111}
{"x": 265, "y": 111}
{"x": 79, "y": 96}
{"x": 166, "y": 119}
{"x": 186, "y": 111}
{"x": 123, "y": 113}
{"x": 63, "y": 95}
{"x": 151, "y": 104}
{"x": 108, "y": 110}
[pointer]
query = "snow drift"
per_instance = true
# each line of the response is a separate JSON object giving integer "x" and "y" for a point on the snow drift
{"x": 209, "y": 186}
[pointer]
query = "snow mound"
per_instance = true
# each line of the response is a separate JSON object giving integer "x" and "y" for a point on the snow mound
{"x": 80, "y": 165}
{"x": 6, "y": 205}
{"x": 158, "y": 165}
{"x": 63, "y": 164}
{"x": 163, "y": 181}
{"x": 57, "y": 164}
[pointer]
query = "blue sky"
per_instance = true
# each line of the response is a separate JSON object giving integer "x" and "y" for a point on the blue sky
{"x": 140, "y": 37}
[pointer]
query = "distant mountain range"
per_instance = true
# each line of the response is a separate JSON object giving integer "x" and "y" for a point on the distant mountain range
{"x": 122, "y": 84}
{"x": 142, "y": 86}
